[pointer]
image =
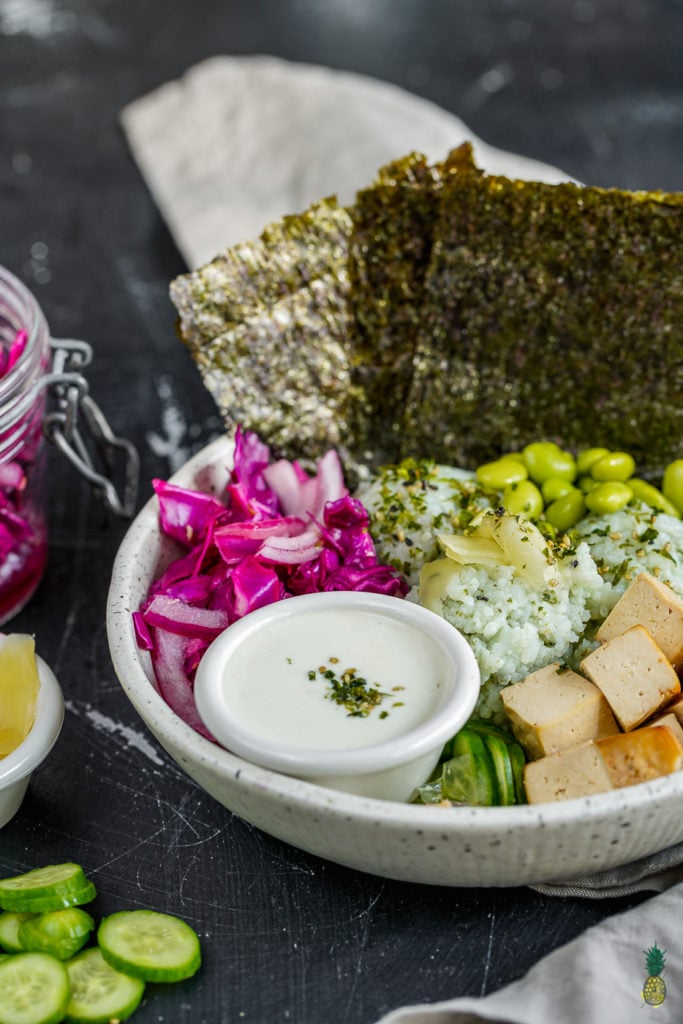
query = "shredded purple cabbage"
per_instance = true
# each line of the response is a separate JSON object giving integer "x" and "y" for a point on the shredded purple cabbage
{"x": 278, "y": 533}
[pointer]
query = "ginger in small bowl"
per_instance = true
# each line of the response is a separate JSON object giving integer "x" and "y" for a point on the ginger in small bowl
{"x": 31, "y": 716}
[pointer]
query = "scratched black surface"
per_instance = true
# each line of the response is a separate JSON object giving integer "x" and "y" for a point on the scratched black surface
{"x": 594, "y": 88}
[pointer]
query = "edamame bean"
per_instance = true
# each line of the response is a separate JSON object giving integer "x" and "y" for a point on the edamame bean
{"x": 648, "y": 494}
{"x": 555, "y": 487}
{"x": 523, "y": 499}
{"x": 672, "y": 483}
{"x": 565, "y": 512}
{"x": 613, "y": 466}
{"x": 609, "y": 496}
{"x": 586, "y": 458}
{"x": 586, "y": 483}
{"x": 545, "y": 459}
{"x": 502, "y": 472}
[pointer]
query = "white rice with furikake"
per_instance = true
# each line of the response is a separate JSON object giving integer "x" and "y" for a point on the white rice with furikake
{"x": 515, "y": 626}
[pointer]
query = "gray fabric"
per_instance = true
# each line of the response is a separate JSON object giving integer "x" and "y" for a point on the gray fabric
{"x": 651, "y": 874}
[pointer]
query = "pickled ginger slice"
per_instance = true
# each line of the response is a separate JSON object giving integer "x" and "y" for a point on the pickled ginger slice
{"x": 19, "y": 686}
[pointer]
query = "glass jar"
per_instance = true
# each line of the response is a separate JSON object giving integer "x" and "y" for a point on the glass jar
{"x": 25, "y": 359}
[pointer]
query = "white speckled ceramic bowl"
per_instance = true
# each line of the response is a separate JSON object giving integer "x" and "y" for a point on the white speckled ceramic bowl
{"x": 455, "y": 846}
{"x": 16, "y": 769}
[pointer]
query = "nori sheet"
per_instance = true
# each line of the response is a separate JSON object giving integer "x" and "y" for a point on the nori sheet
{"x": 389, "y": 252}
{"x": 284, "y": 373}
{"x": 253, "y": 276}
{"x": 550, "y": 312}
{"x": 450, "y": 314}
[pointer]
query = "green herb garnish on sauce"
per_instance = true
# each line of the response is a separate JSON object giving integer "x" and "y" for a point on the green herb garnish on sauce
{"x": 349, "y": 690}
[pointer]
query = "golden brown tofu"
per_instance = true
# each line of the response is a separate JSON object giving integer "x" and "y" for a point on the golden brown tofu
{"x": 652, "y": 604}
{"x": 635, "y": 676}
{"x": 555, "y": 708}
{"x": 577, "y": 771}
{"x": 670, "y": 720}
{"x": 641, "y": 755}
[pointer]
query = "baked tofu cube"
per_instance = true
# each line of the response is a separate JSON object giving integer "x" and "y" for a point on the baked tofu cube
{"x": 577, "y": 771}
{"x": 555, "y": 708}
{"x": 641, "y": 755}
{"x": 635, "y": 676}
{"x": 654, "y": 605}
{"x": 670, "y": 720}
{"x": 676, "y": 709}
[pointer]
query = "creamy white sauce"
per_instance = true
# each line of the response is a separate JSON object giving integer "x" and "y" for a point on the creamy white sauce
{"x": 266, "y": 684}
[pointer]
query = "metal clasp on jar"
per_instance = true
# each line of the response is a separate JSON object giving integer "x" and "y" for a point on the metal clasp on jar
{"x": 79, "y": 429}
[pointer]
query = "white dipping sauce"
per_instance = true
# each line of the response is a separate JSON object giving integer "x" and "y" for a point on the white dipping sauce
{"x": 260, "y": 692}
{"x": 266, "y": 682}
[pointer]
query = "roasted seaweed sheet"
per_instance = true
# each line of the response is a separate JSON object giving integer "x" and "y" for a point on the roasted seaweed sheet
{"x": 453, "y": 314}
{"x": 389, "y": 253}
{"x": 550, "y": 312}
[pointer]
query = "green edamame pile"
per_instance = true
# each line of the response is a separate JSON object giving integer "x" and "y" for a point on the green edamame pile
{"x": 547, "y": 483}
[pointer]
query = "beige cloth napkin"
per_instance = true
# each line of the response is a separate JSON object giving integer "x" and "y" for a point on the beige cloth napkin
{"x": 238, "y": 142}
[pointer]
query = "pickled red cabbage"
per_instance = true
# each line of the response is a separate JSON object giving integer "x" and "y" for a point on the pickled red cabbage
{"x": 23, "y": 535}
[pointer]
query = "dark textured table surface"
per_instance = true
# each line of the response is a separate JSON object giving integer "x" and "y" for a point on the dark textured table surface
{"x": 595, "y": 88}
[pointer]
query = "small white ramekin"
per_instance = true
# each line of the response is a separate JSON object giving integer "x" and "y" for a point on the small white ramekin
{"x": 16, "y": 768}
{"x": 389, "y": 769}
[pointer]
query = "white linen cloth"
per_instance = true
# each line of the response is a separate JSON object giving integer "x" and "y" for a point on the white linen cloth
{"x": 238, "y": 142}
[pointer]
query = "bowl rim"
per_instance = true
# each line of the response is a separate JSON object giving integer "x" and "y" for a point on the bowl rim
{"x": 43, "y": 734}
{"x": 129, "y": 662}
{"x": 454, "y": 706}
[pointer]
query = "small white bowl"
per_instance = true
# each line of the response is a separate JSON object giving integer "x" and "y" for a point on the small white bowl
{"x": 254, "y": 693}
{"x": 16, "y": 769}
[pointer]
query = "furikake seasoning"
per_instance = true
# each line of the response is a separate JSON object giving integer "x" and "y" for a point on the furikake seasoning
{"x": 352, "y": 691}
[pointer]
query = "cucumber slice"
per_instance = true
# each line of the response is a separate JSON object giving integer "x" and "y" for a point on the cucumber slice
{"x": 47, "y": 888}
{"x": 485, "y": 728}
{"x": 41, "y": 904}
{"x": 467, "y": 781}
{"x": 10, "y": 923}
{"x": 34, "y": 989}
{"x": 518, "y": 760}
{"x": 99, "y": 993}
{"x": 498, "y": 749}
{"x": 59, "y": 932}
{"x": 149, "y": 945}
{"x": 469, "y": 776}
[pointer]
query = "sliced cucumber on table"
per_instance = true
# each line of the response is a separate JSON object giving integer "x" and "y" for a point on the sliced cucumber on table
{"x": 59, "y": 932}
{"x": 34, "y": 989}
{"x": 47, "y": 888}
{"x": 45, "y": 974}
{"x": 149, "y": 945}
{"x": 100, "y": 993}
{"x": 10, "y": 923}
